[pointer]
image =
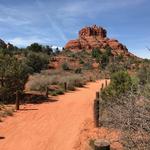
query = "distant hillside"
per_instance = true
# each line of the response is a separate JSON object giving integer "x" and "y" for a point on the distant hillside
{"x": 92, "y": 50}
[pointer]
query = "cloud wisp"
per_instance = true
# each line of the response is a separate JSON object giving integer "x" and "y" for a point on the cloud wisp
{"x": 51, "y": 21}
{"x": 23, "y": 42}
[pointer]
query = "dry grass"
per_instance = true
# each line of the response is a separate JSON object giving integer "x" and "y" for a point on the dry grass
{"x": 39, "y": 82}
{"x": 6, "y": 110}
{"x": 131, "y": 114}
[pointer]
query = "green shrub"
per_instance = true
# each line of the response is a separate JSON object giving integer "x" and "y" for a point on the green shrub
{"x": 115, "y": 67}
{"x": 104, "y": 60}
{"x": 146, "y": 90}
{"x": 87, "y": 66}
{"x": 78, "y": 70}
{"x": 108, "y": 50}
{"x": 96, "y": 53}
{"x": 35, "y": 47}
{"x": 65, "y": 66}
{"x": 105, "y": 57}
{"x": 81, "y": 61}
{"x": 144, "y": 73}
{"x": 37, "y": 61}
{"x": 120, "y": 83}
{"x": 13, "y": 74}
{"x": 57, "y": 92}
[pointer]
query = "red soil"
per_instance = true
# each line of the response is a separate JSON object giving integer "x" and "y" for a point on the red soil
{"x": 89, "y": 133}
{"x": 50, "y": 126}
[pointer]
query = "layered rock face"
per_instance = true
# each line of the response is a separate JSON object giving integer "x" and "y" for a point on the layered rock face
{"x": 95, "y": 37}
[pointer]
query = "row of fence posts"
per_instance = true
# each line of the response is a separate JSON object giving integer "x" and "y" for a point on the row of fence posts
{"x": 65, "y": 88}
{"x": 99, "y": 144}
{"x": 17, "y": 103}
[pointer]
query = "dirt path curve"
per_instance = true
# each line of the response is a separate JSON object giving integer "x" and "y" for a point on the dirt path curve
{"x": 50, "y": 126}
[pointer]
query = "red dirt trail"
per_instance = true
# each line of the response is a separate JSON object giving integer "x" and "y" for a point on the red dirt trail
{"x": 50, "y": 126}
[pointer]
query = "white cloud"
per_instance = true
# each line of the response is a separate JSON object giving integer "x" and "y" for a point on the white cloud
{"x": 14, "y": 21}
{"x": 22, "y": 41}
{"x": 13, "y": 16}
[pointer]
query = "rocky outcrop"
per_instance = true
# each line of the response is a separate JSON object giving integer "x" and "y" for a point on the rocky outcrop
{"x": 74, "y": 45}
{"x": 95, "y": 37}
{"x": 10, "y": 46}
{"x": 92, "y": 31}
{"x": 3, "y": 44}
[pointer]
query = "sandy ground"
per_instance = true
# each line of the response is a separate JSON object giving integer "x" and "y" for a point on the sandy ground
{"x": 50, "y": 126}
{"x": 89, "y": 133}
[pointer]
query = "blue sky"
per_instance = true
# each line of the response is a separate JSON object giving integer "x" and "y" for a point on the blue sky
{"x": 54, "y": 22}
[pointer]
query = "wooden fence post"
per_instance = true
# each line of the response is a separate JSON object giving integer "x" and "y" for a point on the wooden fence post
{"x": 106, "y": 83}
{"x": 100, "y": 111}
{"x": 96, "y": 110}
{"x": 65, "y": 86}
{"x": 101, "y": 144}
{"x": 102, "y": 87}
{"x": 91, "y": 79}
{"x": 17, "y": 100}
{"x": 46, "y": 93}
{"x": 97, "y": 95}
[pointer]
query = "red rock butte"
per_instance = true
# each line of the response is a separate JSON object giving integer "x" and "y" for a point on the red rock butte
{"x": 96, "y": 37}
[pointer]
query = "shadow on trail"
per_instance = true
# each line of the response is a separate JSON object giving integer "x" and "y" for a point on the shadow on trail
{"x": 2, "y": 137}
{"x": 31, "y": 98}
{"x": 52, "y": 100}
{"x": 27, "y": 109}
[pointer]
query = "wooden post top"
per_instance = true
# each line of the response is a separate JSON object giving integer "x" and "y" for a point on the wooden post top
{"x": 101, "y": 144}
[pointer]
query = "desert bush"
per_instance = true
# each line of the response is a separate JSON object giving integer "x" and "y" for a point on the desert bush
{"x": 130, "y": 113}
{"x": 144, "y": 73}
{"x": 57, "y": 92}
{"x": 73, "y": 81}
{"x": 125, "y": 106}
{"x": 108, "y": 50}
{"x": 146, "y": 90}
{"x": 13, "y": 75}
{"x": 115, "y": 67}
{"x": 81, "y": 61}
{"x": 120, "y": 83}
{"x": 35, "y": 47}
{"x": 37, "y": 61}
{"x": 78, "y": 70}
{"x": 6, "y": 111}
{"x": 104, "y": 60}
{"x": 39, "y": 82}
{"x": 96, "y": 53}
{"x": 65, "y": 66}
{"x": 87, "y": 66}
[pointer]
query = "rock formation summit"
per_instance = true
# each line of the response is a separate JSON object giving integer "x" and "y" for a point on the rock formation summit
{"x": 95, "y": 37}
